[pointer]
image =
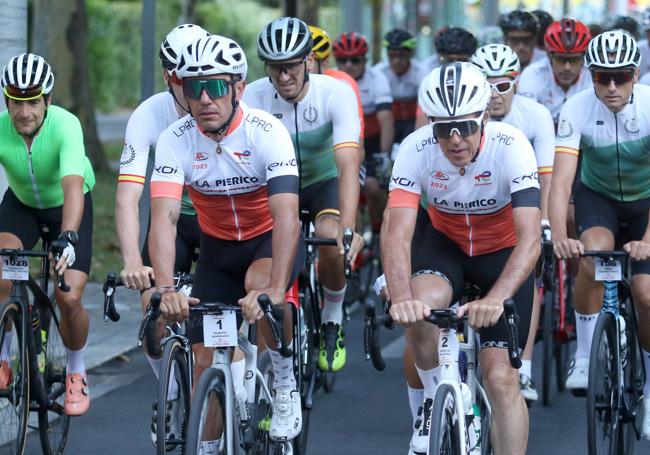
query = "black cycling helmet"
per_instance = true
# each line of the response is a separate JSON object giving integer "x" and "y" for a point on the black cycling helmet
{"x": 399, "y": 39}
{"x": 519, "y": 20}
{"x": 544, "y": 19}
{"x": 627, "y": 23}
{"x": 456, "y": 41}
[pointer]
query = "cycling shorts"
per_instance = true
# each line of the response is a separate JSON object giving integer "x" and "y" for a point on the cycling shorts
{"x": 28, "y": 224}
{"x": 187, "y": 242}
{"x": 372, "y": 147}
{"x": 402, "y": 129}
{"x": 321, "y": 198}
{"x": 437, "y": 254}
{"x": 221, "y": 271}
{"x": 627, "y": 221}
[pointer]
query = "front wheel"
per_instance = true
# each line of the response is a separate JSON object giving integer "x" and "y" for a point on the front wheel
{"x": 14, "y": 392}
{"x": 444, "y": 432}
{"x": 207, "y": 423}
{"x": 602, "y": 397}
{"x": 548, "y": 329}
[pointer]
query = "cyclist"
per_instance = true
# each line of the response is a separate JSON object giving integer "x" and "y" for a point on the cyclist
{"x": 544, "y": 19}
{"x": 320, "y": 114}
{"x": 453, "y": 44}
{"x": 500, "y": 65}
{"x": 520, "y": 29}
{"x": 350, "y": 51}
{"x": 145, "y": 125}
{"x": 404, "y": 74}
{"x": 607, "y": 127}
{"x": 50, "y": 180}
{"x": 627, "y": 23}
{"x": 240, "y": 169}
{"x": 552, "y": 80}
{"x": 483, "y": 205}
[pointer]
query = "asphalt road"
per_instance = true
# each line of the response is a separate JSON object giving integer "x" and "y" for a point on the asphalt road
{"x": 366, "y": 414}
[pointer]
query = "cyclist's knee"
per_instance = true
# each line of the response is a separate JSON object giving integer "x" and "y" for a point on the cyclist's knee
{"x": 70, "y": 301}
{"x": 202, "y": 359}
{"x": 501, "y": 381}
{"x": 326, "y": 226}
{"x": 641, "y": 293}
{"x": 10, "y": 241}
{"x": 434, "y": 290}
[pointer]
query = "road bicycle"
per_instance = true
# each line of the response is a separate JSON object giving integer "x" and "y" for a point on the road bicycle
{"x": 34, "y": 351}
{"x": 616, "y": 365}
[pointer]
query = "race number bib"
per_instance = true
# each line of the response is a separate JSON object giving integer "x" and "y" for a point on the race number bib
{"x": 15, "y": 268}
{"x": 220, "y": 330}
{"x": 607, "y": 270}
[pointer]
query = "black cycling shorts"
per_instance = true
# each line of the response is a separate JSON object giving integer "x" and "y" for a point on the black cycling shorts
{"x": 372, "y": 146}
{"x": 626, "y": 220}
{"x": 402, "y": 129}
{"x": 188, "y": 236}
{"x": 321, "y": 198}
{"x": 221, "y": 271}
{"x": 437, "y": 254}
{"x": 28, "y": 224}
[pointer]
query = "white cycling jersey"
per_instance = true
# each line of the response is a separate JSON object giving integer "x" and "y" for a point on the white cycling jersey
{"x": 404, "y": 88}
{"x": 375, "y": 96}
{"x": 644, "y": 49}
{"x": 614, "y": 147}
{"x": 472, "y": 205}
{"x": 229, "y": 182}
{"x": 537, "y": 81}
{"x": 645, "y": 79}
{"x": 326, "y": 119}
{"x": 535, "y": 121}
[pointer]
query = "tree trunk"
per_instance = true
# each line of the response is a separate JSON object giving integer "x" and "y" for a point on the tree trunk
{"x": 60, "y": 35}
{"x": 377, "y": 39}
{"x": 308, "y": 11}
{"x": 13, "y": 41}
{"x": 188, "y": 12}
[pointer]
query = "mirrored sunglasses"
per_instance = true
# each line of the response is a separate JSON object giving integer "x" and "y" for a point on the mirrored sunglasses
{"x": 464, "y": 128}
{"x": 216, "y": 88}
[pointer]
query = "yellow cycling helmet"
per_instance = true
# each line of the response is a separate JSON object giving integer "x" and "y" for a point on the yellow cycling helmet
{"x": 322, "y": 47}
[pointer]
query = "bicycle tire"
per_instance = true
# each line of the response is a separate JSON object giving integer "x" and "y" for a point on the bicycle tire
{"x": 444, "y": 432}
{"x": 562, "y": 354}
{"x": 486, "y": 445}
{"x": 53, "y": 423}
{"x": 602, "y": 417}
{"x": 302, "y": 381}
{"x": 633, "y": 375}
{"x": 14, "y": 408}
{"x": 548, "y": 332}
{"x": 210, "y": 386}
{"x": 174, "y": 360}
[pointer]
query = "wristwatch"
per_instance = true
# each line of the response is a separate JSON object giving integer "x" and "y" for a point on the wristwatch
{"x": 71, "y": 236}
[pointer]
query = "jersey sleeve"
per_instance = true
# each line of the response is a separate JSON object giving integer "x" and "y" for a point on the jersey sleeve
{"x": 519, "y": 163}
{"x": 405, "y": 186}
{"x": 344, "y": 112}
{"x": 544, "y": 139}
{"x": 279, "y": 158}
{"x": 568, "y": 130}
{"x": 384, "y": 96}
{"x": 72, "y": 151}
{"x": 137, "y": 143}
{"x": 168, "y": 175}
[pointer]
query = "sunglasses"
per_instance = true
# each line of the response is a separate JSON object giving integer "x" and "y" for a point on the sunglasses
{"x": 275, "y": 69}
{"x": 351, "y": 60}
{"x": 502, "y": 87}
{"x": 562, "y": 60}
{"x": 464, "y": 128}
{"x": 605, "y": 77}
{"x": 216, "y": 88}
{"x": 30, "y": 93}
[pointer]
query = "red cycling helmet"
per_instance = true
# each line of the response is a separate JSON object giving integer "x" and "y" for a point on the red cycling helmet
{"x": 567, "y": 36}
{"x": 351, "y": 44}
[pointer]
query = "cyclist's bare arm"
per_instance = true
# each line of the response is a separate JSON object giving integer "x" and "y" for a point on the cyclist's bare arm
{"x": 73, "y": 202}
{"x": 162, "y": 238}
{"x": 127, "y": 220}
{"x": 347, "y": 163}
{"x": 545, "y": 191}
{"x": 286, "y": 231}
{"x": 564, "y": 171}
{"x": 387, "y": 134}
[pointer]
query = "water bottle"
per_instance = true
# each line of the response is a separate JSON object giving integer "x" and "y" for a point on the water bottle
{"x": 467, "y": 398}
{"x": 41, "y": 356}
{"x": 473, "y": 423}
{"x": 38, "y": 343}
{"x": 623, "y": 339}
{"x": 303, "y": 330}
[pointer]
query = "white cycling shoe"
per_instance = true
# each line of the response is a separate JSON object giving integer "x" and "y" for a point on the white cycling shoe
{"x": 578, "y": 377}
{"x": 286, "y": 421}
{"x": 420, "y": 439}
{"x": 645, "y": 423}
{"x": 527, "y": 388}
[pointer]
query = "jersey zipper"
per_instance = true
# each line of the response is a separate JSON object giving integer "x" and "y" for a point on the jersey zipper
{"x": 295, "y": 121}
{"x": 618, "y": 159}
{"x": 234, "y": 211}
{"x": 467, "y": 221}
{"x": 37, "y": 195}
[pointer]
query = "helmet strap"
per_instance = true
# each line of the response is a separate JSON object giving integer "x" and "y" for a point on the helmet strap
{"x": 305, "y": 79}
{"x": 178, "y": 103}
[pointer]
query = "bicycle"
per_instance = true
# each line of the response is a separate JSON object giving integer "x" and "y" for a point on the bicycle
{"x": 37, "y": 357}
{"x": 458, "y": 425}
{"x": 176, "y": 362}
{"x": 558, "y": 323}
{"x": 616, "y": 366}
{"x": 244, "y": 427}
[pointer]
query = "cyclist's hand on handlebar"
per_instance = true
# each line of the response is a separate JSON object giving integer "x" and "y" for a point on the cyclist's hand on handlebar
{"x": 568, "y": 248}
{"x": 66, "y": 254}
{"x": 484, "y": 312}
{"x": 137, "y": 277}
{"x": 251, "y": 310}
{"x": 409, "y": 312}
{"x": 355, "y": 248}
{"x": 639, "y": 250}
{"x": 174, "y": 306}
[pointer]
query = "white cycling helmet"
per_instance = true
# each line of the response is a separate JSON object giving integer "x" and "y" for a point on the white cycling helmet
{"x": 613, "y": 49}
{"x": 454, "y": 90}
{"x": 497, "y": 60}
{"x": 177, "y": 39}
{"x": 212, "y": 55}
{"x": 283, "y": 39}
{"x": 26, "y": 71}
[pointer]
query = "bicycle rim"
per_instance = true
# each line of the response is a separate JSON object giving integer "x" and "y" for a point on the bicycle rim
{"x": 444, "y": 433}
{"x": 207, "y": 412}
{"x": 173, "y": 368}
{"x": 547, "y": 336}
{"x": 14, "y": 400}
{"x": 633, "y": 375}
{"x": 602, "y": 415}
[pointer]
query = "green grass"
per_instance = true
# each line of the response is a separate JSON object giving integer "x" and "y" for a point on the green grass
{"x": 106, "y": 245}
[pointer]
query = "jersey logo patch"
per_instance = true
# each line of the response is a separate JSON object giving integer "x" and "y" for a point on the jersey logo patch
{"x": 565, "y": 129}
{"x": 439, "y": 175}
{"x": 310, "y": 114}
{"x": 128, "y": 155}
{"x": 200, "y": 156}
{"x": 484, "y": 178}
{"x": 632, "y": 125}
{"x": 243, "y": 156}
